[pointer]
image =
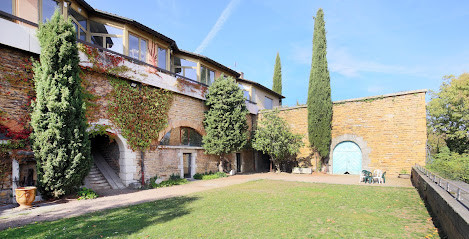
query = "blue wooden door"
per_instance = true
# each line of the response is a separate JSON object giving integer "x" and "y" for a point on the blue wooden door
{"x": 346, "y": 157}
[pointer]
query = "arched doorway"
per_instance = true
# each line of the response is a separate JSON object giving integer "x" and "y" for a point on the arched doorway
{"x": 347, "y": 158}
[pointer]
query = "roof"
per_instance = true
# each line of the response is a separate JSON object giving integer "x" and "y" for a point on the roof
{"x": 262, "y": 87}
{"x": 188, "y": 53}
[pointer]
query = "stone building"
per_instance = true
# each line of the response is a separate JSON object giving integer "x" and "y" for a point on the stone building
{"x": 151, "y": 59}
{"x": 386, "y": 132}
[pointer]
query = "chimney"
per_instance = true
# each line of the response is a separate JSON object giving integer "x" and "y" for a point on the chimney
{"x": 241, "y": 75}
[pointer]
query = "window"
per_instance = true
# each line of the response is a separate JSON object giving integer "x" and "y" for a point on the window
{"x": 185, "y": 68}
{"x": 162, "y": 58}
{"x": 137, "y": 48}
{"x": 27, "y": 9}
{"x": 268, "y": 103}
{"x": 106, "y": 36}
{"x": 182, "y": 136}
{"x": 48, "y": 8}
{"x": 80, "y": 23}
{"x": 6, "y": 6}
{"x": 207, "y": 76}
{"x": 245, "y": 90}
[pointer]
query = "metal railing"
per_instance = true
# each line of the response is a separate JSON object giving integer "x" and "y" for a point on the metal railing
{"x": 14, "y": 18}
{"x": 457, "y": 192}
{"x": 138, "y": 62}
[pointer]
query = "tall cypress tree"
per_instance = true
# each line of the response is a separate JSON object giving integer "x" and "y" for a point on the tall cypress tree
{"x": 319, "y": 92}
{"x": 60, "y": 141}
{"x": 277, "y": 86}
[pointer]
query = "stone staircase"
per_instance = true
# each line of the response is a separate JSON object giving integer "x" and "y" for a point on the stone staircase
{"x": 96, "y": 180}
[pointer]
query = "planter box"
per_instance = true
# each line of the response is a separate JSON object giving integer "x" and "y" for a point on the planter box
{"x": 302, "y": 170}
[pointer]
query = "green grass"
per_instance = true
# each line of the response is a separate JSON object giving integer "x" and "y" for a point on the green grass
{"x": 259, "y": 209}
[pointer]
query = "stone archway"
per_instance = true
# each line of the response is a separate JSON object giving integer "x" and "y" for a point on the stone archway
{"x": 365, "y": 150}
{"x": 182, "y": 123}
{"x": 127, "y": 157}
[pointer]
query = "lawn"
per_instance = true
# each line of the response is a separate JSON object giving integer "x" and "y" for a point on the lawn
{"x": 258, "y": 209}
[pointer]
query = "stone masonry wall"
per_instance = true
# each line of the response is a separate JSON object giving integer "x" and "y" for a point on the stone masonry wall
{"x": 392, "y": 127}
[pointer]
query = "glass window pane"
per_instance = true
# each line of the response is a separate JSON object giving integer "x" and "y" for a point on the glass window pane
{"x": 48, "y": 8}
{"x": 165, "y": 139}
{"x": 6, "y": 6}
{"x": 114, "y": 44}
{"x": 268, "y": 103}
{"x": 78, "y": 17}
{"x": 246, "y": 94}
{"x": 97, "y": 40}
{"x": 133, "y": 46}
{"x": 162, "y": 58}
{"x": 184, "y": 136}
{"x": 190, "y": 73}
{"x": 143, "y": 50}
{"x": 211, "y": 77}
{"x": 113, "y": 30}
{"x": 185, "y": 62}
{"x": 27, "y": 9}
{"x": 96, "y": 27}
{"x": 82, "y": 35}
{"x": 195, "y": 139}
{"x": 203, "y": 75}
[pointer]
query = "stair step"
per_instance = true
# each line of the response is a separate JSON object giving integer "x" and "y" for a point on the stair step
{"x": 98, "y": 181}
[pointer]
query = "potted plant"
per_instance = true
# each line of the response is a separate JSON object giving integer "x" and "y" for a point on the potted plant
{"x": 404, "y": 174}
{"x": 25, "y": 196}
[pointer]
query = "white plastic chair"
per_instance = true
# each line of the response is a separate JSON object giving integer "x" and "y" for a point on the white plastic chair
{"x": 378, "y": 175}
{"x": 362, "y": 176}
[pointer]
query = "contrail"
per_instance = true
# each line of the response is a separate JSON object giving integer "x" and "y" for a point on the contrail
{"x": 218, "y": 25}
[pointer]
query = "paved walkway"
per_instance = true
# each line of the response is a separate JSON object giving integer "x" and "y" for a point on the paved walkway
{"x": 13, "y": 217}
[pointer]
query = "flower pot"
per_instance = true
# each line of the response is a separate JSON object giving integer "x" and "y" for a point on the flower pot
{"x": 25, "y": 196}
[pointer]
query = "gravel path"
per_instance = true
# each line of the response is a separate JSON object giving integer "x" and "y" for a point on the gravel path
{"x": 14, "y": 217}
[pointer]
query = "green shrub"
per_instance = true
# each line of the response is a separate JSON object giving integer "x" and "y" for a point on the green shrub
{"x": 172, "y": 182}
{"x": 174, "y": 176}
{"x": 209, "y": 175}
{"x": 86, "y": 193}
{"x": 451, "y": 165}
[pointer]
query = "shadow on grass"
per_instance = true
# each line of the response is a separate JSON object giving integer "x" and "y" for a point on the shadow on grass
{"x": 114, "y": 222}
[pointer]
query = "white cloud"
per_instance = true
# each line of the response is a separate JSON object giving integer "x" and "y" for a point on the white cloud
{"x": 218, "y": 25}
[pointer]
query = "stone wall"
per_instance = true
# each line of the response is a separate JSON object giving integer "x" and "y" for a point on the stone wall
{"x": 448, "y": 214}
{"x": 390, "y": 129}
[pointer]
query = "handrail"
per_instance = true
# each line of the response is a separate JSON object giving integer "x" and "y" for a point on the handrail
{"x": 135, "y": 61}
{"x": 11, "y": 17}
{"x": 446, "y": 186}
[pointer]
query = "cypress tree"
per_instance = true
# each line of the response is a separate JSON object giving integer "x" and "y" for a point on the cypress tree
{"x": 225, "y": 121}
{"x": 319, "y": 92}
{"x": 60, "y": 141}
{"x": 277, "y": 85}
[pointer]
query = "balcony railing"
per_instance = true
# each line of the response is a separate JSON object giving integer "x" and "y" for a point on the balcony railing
{"x": 14, "y": 18}
{"x": 135, "y": 61}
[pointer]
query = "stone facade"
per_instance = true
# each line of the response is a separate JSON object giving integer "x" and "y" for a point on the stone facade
{"x": 390, "y": 130}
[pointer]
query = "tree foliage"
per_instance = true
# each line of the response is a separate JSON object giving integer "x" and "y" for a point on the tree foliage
{"x": 277, "y": 84}
{"x": 448, "y": 113}
{"x": 225, "y": 121}
{"x": 273, "y": 137}
{"x": 60, "y": 141}
{"x": 319, "y": 92}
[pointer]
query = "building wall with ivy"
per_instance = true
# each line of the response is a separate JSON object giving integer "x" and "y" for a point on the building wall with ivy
{"x": 391, "y": 129}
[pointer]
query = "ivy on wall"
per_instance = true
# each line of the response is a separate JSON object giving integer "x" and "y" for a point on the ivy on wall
{"x": 140, "y": 112}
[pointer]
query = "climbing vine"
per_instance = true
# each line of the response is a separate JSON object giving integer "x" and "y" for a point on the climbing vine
{"x": 140, "y": 112}
{"x": 102, "y": 61}
{"x": 182, "y": 85}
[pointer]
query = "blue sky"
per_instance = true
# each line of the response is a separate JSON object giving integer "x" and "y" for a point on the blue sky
{"x": 374, "y": 47}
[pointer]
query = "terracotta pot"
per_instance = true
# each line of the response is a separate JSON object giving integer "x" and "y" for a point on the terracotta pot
{"x": 25, "y": 196}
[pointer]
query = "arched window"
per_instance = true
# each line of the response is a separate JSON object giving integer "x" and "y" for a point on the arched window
{"x": 182, "y": 136}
